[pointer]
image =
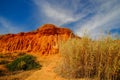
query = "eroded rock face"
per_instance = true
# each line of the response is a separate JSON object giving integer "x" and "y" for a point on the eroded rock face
{"x": 44, "y": 40}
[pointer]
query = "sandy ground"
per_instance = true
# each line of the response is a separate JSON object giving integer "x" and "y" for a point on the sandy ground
{"x": 19, "y": 76}
{"x": 47, "y": 71}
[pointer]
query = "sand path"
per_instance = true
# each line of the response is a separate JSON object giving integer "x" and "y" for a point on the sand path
{"x": 47, "y": 71}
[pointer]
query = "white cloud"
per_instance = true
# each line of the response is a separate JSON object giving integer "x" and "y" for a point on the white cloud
{"x": 57, "y": 13}
{"x": 104, "y": 19}
{"x": 105, "y": 14}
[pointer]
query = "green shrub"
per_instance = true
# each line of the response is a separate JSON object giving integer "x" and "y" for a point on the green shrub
{"x": 25, "y": 62}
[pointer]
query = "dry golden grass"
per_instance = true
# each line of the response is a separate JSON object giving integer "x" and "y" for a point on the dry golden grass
{"x": 84, "y": 58}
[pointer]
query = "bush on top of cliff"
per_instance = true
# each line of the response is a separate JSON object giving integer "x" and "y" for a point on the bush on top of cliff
{"x": 25, "y": 62}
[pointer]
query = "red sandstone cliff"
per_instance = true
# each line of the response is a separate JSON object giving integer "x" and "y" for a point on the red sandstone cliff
{"x": 44, "y": 40}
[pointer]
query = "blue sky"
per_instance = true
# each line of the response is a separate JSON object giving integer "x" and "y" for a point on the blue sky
{"x": 96, "y": 17}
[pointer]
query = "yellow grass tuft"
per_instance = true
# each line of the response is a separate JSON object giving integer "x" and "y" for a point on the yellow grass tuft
{"x": 84, "y": 58}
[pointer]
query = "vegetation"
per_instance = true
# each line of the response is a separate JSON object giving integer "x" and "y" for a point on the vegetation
{"x": 84, "y": 58}
{"x": 25, "y": 62}
{"x": 6, "y": 74}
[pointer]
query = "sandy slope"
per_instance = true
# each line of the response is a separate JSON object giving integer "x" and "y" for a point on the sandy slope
{"x": 47, "y": 71}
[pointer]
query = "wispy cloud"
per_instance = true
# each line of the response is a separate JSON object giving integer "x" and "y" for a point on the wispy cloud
{"x": 7, "y": 27}
{"x": 95, "y": 16}
{"x": 107, "y": 15}
{"x": 59, "y": 12}
{"x": 58, "y": 15}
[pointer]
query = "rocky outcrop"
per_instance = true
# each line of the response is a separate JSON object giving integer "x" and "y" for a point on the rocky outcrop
{"x": 44, "y": 40}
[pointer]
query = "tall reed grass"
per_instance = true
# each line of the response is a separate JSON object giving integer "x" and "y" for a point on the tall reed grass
{"x": 85, "y": 58}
